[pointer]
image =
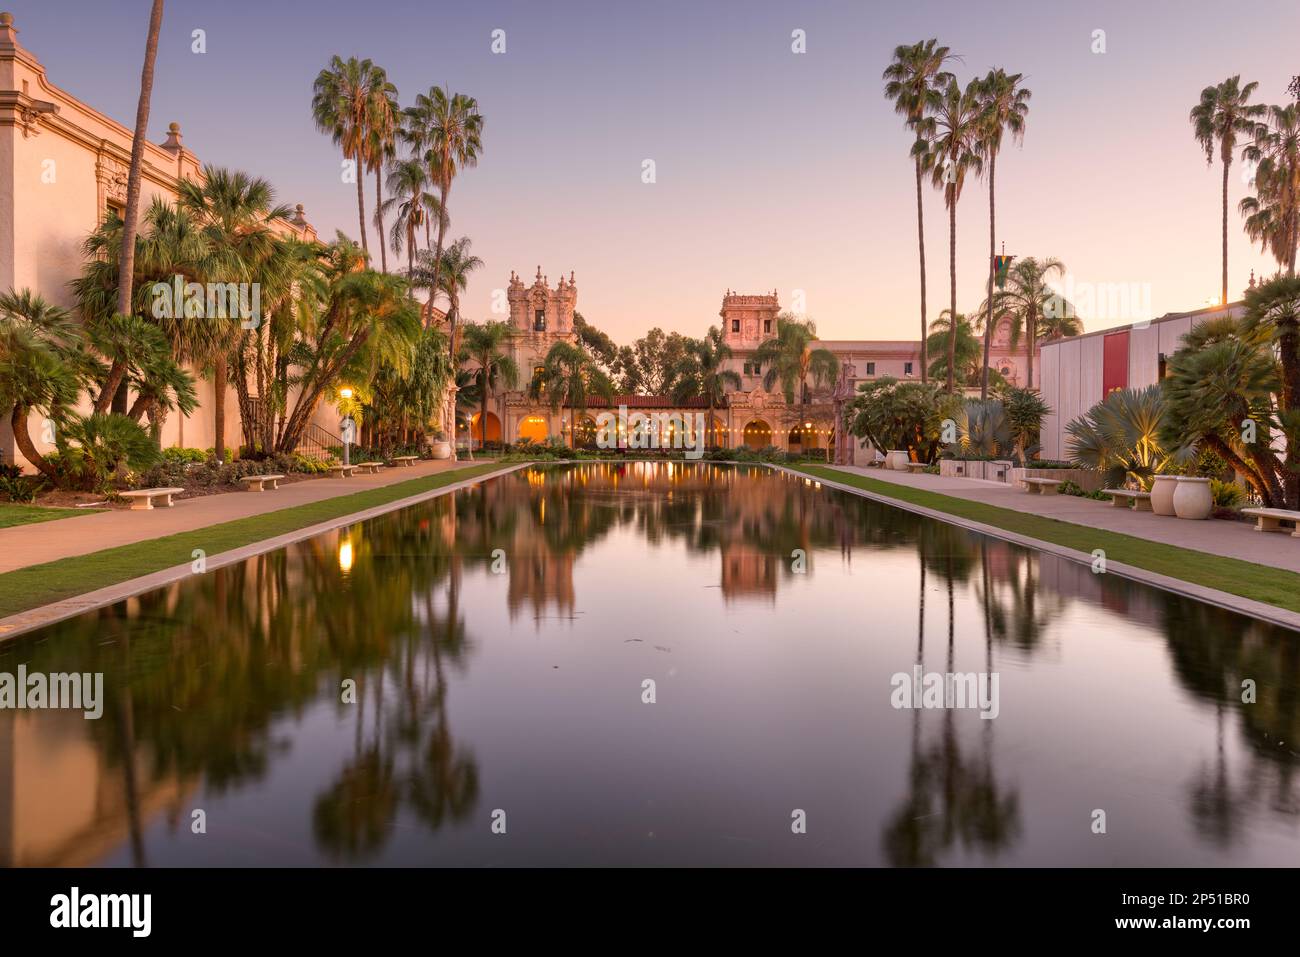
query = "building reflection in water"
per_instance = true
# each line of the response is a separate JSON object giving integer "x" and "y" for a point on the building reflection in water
{"x": 217, "y": 684}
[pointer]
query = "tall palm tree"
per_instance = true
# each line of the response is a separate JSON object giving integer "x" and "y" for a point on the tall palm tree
{"x": 343, "y": 105}
{"x": 485, "y": 348}
{"x": 1222, "y": 114}
{"x": 413, "y": 205}
{"x": 451, "y": 272}
{"x": 791, "y": 357}
{"x": 569, "y": 378}
{"x": 234, "y": 212}
{"x": 700, "y": 375}
{"x": 1027, "y": 299}
{"x": 126, "y": 258}
{"x": 1005, "y": 103}
{"x": 1273, "y": 214}
{"x": 954, "y": 132}
{"x": 381, "y": 146}
{"x": 913, "y": 81}
{"x": 446, "y": 131}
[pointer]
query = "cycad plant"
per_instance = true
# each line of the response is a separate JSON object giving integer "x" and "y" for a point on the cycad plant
{"x": 1122, "y": 437}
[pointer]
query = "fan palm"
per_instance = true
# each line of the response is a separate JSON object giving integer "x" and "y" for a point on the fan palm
{"x": 1224, "y": 113}
{"x": 1005, "y": 103}
{"x": 1122, "y": 437}
{"x": 700, "y": 375}
{"x": 484, "y": 348}
{"x": 446, "y": 131}
{"x": 949, "y": 146}
{"x": 913, "y": 81}
{"x": 343, "y": 105}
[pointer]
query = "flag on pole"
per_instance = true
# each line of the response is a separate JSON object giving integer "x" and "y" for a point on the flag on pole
{"x": 1000, "y": 266}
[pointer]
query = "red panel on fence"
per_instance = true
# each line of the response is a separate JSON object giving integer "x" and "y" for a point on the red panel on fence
{"x": 1114, "y": 363}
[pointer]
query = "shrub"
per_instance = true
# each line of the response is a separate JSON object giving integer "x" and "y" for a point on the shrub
{"x": 1227, "y": 494}
{"x": 102, "y": 447}
{"x": 17, "y": 488}
{"x": 185, "y": 456}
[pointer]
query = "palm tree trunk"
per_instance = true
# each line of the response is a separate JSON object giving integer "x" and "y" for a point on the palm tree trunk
{"x": 1224, "y": 296}
{"x": 379, "y": 220}
{"x": 130, "y": 215}
{"x": 1031, "y": 341}
{"x": 361, "y": 202}
{"x": 920, "y": 242}
{"x": 108, "y": 394}
{"x": 483, "y": 411}
{"x": 952, "y": 314}
{"x": 23, "y": 439}
{"x": 437, "y": 255}
{"x": 988, "y": 317}
{"x": 219, "y": 409}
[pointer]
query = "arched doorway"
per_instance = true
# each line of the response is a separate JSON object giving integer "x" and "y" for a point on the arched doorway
{"x": 532, "y": 428}
{"x": 803, "y": 438}
{"x": 584, "y": 433}
{"x": 716, "y": 435}
{"x": 757, "y": 434}
{"x": 476, "y": 428}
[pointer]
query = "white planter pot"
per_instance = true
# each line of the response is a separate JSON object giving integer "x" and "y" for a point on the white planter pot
{"x": 1192, "y": 498}
{"x": 440, "y": 450}
{"x": 897, "y": 460}
{"x": 1162, "y": 494}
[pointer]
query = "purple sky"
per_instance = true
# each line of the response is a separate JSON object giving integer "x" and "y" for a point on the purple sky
{"x": 774, "y": 170}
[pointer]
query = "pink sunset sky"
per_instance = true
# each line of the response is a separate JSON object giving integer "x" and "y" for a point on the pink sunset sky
{"x": 775, "y": 170}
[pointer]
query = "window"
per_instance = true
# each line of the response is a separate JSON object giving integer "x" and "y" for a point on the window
{"x": 767, "y": 325}
{"x": 539, "y": 320}
{"x": 758, "y": 368}
{"x": 907, "y": 368}
{"x": 1163, "y": 368}
{"x": 114, "y": 208}
{"x": 748, "y": 369}
{"x": 735, "y": 325}
{"x": 871, "y": 368}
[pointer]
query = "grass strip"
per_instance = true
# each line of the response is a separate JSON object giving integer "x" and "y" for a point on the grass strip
{"x": 36, "y": 585}
{"x": 11, "y": 515}
{"x": 1273, "y": 586}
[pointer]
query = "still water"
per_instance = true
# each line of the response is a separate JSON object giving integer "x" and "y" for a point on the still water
{"x": 501, "y": 640}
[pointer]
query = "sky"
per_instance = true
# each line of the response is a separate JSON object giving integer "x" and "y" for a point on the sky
{"x": 773, "y": 170}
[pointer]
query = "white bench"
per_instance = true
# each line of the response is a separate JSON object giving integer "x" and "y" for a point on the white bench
{"x": 342, "y": 471}
{"x": 1042, "y": 486}
{"x": 371, "y": 468}
{"x": 143, "y": 499}
{"x": 406, "y": 461}
{"x": 1271, "y": 519}
{"x": 257, "y": 483}
{"x": 1121, "y": 497}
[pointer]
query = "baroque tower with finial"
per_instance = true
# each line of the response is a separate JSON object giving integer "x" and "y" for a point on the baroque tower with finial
{"x": 539, "y": 309}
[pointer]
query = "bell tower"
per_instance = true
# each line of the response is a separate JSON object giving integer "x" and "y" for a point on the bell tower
{"x": 748, "y": 321}
{"x": 542, "y": 311}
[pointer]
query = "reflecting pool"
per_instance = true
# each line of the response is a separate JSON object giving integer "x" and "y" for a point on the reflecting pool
{"x": 654, "y": 663}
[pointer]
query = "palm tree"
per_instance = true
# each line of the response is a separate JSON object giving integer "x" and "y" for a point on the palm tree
{"x": 790, "y": 358}
{"x": 126, "y": 259}
{"x": 701, "y": 375}
{"x": 913, "y": 81}
{"x": 1123, "y": 436}
{"x": 1027, "y": 299}
{"x": 1005, "y": 103}
{"x": 484, "y": 347}
{"x": 343, "y": 105}
{"x": 413, "y": 205}
{"x": 452, "y": 273}
{"x": 1273, "y": 214}
{"x": 40, "y": 345}
{"x": 381, "y": 145}
{"x": 967, "y": 352}
{"x": 1273, "y": 310}
{"x": 568, "y": 379}
{"x": 954, "y": 130}
{"x": 1222, "y": 114}
{"x": 446, "y": 130}
{"x": 234, "y": 212}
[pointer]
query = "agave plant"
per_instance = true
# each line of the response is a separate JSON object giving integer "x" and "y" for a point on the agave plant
{"x": 1121, "y": 437}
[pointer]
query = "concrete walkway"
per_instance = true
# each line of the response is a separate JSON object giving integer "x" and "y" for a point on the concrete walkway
{"x": 1217, "y": 537}
{"x": 23, "y": 545}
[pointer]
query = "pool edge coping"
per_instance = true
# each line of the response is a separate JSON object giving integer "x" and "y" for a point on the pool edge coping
{"x": 27, "y": 621}
{"x": 1262, "y": 611}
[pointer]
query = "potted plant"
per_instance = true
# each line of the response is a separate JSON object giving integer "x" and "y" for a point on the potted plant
{"x": 1193, "y": 498}
{"x": 1162, "y": 494}
{"x": 439, "y": 447}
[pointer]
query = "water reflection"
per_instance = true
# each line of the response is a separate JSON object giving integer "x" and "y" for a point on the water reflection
{"x": 495, "y": 641}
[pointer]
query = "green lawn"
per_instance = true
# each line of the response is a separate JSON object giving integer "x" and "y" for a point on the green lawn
{"x": 39, "y": 585}
{"x": 1236, "y": 577}
{"x": 11, "y": 515}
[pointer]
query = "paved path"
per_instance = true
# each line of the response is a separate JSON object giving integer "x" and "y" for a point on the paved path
{"x": 23, "y": 545}
{"x": 1229, "y": 539}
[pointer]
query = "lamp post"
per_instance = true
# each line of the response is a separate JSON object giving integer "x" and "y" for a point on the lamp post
{"x": 348, "y": 425}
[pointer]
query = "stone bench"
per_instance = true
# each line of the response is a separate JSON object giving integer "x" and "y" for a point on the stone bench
{"x": 915, "y": 467}
{"x": 342, "y": 471}
{"x": 371, "y": 468}
{"x": 1042, "y": 486}
{"x": 1121, "y": 497}
{"x": 1271, "y": 519}
{"x": 143, "y": 499}
{"x": 406, "y": 461}
{"x": 257, "y": 483}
